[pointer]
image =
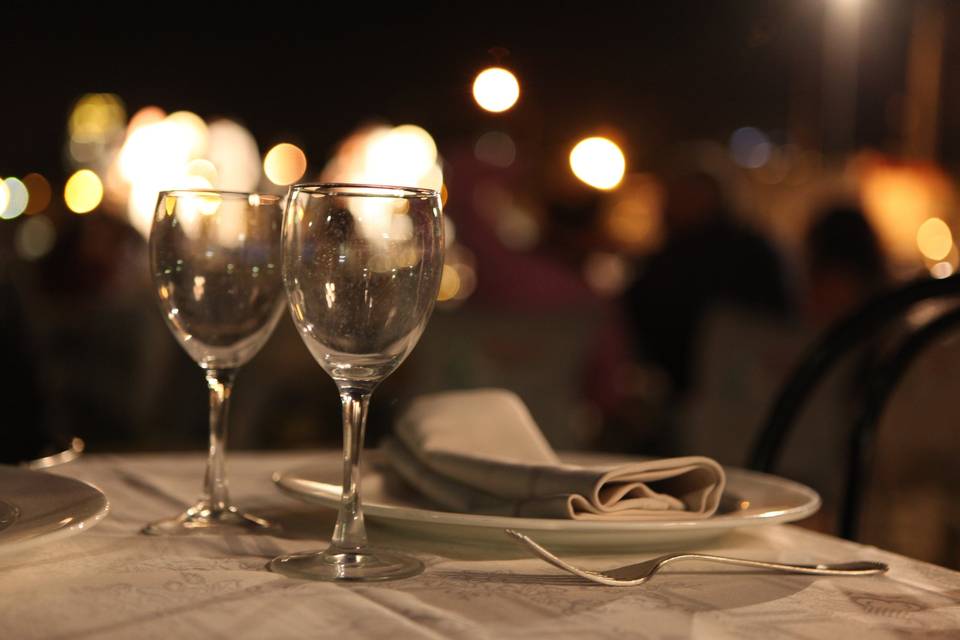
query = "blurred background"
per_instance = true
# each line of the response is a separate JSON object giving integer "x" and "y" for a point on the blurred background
{"x": 652, "y": 210}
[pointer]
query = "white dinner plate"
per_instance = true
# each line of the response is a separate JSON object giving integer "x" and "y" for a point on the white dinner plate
{"x": 751, "y": 499}
{"x": 38, "y": 507}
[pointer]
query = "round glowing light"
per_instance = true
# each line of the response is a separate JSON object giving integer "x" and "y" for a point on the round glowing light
{"x": 750, "y": 147}
{"x": 96, "y": 117}
{"x": 145, "y": 116}
{"x": 191, "y": 129}
{"x": 941, "y": 270}
{"x": 234, "y": 152}
{"x": 39, "y": 190}
{"x": 495, "y": 148}
{"x": 34, "y": 238}
{"x": 934, "y": 239}
{"x": 4, "y": 197}
{"x": 284, "y": 164}
{"x": 153, "y": 150}
{"x": 83, "y": 191}
{"x": 449, "y": 283}
{"x": 203, "y": 168}
{"x": 17, "y": 199}
{"x": 496, "y": 89}
{"x": 606, "y": 273}
{"x": 598, "y": 162}
{"x": 404, "y": 155}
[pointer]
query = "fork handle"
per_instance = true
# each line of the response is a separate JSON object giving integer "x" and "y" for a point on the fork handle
{"x": 838, "y": 569}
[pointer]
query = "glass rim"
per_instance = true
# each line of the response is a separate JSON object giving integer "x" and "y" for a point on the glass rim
{"x": 218, "y": 193}
{"x": 362, "y": 189}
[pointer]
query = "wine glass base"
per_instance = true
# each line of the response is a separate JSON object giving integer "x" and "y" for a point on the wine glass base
{"x": 200, "y": 518}
{"x": 352, "y": 566}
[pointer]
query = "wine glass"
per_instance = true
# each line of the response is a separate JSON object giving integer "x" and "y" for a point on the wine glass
{"x": 361, "y": 266}
{"x": 215, "y": 262}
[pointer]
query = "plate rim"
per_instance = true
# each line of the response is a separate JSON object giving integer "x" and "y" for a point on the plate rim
{"x": 407, "y": 514}
{"x": 74, "y": 528}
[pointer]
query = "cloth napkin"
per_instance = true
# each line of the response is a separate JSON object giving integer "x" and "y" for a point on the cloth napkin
{"x": 480, "y": 451}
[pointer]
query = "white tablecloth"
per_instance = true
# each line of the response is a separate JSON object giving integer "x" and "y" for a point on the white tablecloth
{"x": 111, "y": 582}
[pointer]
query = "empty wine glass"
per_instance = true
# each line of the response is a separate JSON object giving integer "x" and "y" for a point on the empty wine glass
{"x": 361, "y": 266}
{"x": 215, "y": 262}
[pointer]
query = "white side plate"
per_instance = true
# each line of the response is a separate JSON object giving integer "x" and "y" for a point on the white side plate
{"x": 38, "y": 507}
{"x": 751, "y": 499}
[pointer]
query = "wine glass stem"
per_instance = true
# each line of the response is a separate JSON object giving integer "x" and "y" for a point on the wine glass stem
{"x": 350, "y": 533}
{"x": 220, "y": 382}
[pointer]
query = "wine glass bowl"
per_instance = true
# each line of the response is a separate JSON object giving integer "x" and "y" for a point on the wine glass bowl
{"x": 215, "y": 264}
{"x": 361, "y": 267}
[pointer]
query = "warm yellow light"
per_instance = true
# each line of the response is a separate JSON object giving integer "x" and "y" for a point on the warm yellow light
{"x": 83, "y": 191}
{"x": 145, "y": 116}
{"x": 899, "y": 198}
{"x": 96, "y": 117}
{"x": 599, "y": 162}
{"x": 496, "y": 89}
{"x": 203, "y": 168}
{"x": 404, "y": 155}
{"x": 934, "y": 239}
{"x": 284, "y": 164}
{"x": 189, "y": 131}
{"x": 39, "y": 190}
{"x": 449, "y": 283}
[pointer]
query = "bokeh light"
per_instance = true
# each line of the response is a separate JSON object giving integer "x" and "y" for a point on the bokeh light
{"x": 203, "y": 168}
{"x": 750, "y": 147}
{"x": 606, "y": 273}
{"x": 449, "y": 284}
{"x": 40, "y": 192}
{"x": 96, "y": 123}
{"x": 17, "y": 199}
{"x": 495, "y": 148}
{"x": 179, "y": 151}
{"x": 234, "y": 151}
{"x": 598, "y": 162}
{"x": 83, "y": 191}
{"x": 145, "y": 116}
{"x": 459, "y": 277}
{"x": 96, "y": 117}
{"x": 404, "y": 155}
{"x": 899, "y": 198}
{"x": 284, "y": 164}
{"x": 4, "y": 196}
{"x": 34, "y": 238}
{"x": 495, "y": 89}
{"x": 633, "y": 218}
{"x": 191, "y": 131}
{"x": 941, "y": 270}
{"x": 934, "y": 239}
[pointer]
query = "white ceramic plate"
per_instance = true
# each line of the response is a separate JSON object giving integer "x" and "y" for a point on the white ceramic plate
{"x": 751, "y": 499}
{"x": 38, "y": 507}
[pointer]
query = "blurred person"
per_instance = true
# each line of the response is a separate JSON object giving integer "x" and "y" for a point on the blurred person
{"x": 707, "y": 259}
{"x": 844, "y": 263}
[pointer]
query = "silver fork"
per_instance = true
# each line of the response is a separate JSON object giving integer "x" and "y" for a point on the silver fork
{"x": 636, "y": 574}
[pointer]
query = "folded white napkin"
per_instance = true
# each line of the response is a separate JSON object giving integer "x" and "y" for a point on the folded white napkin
{"x": 481, "y": 452}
